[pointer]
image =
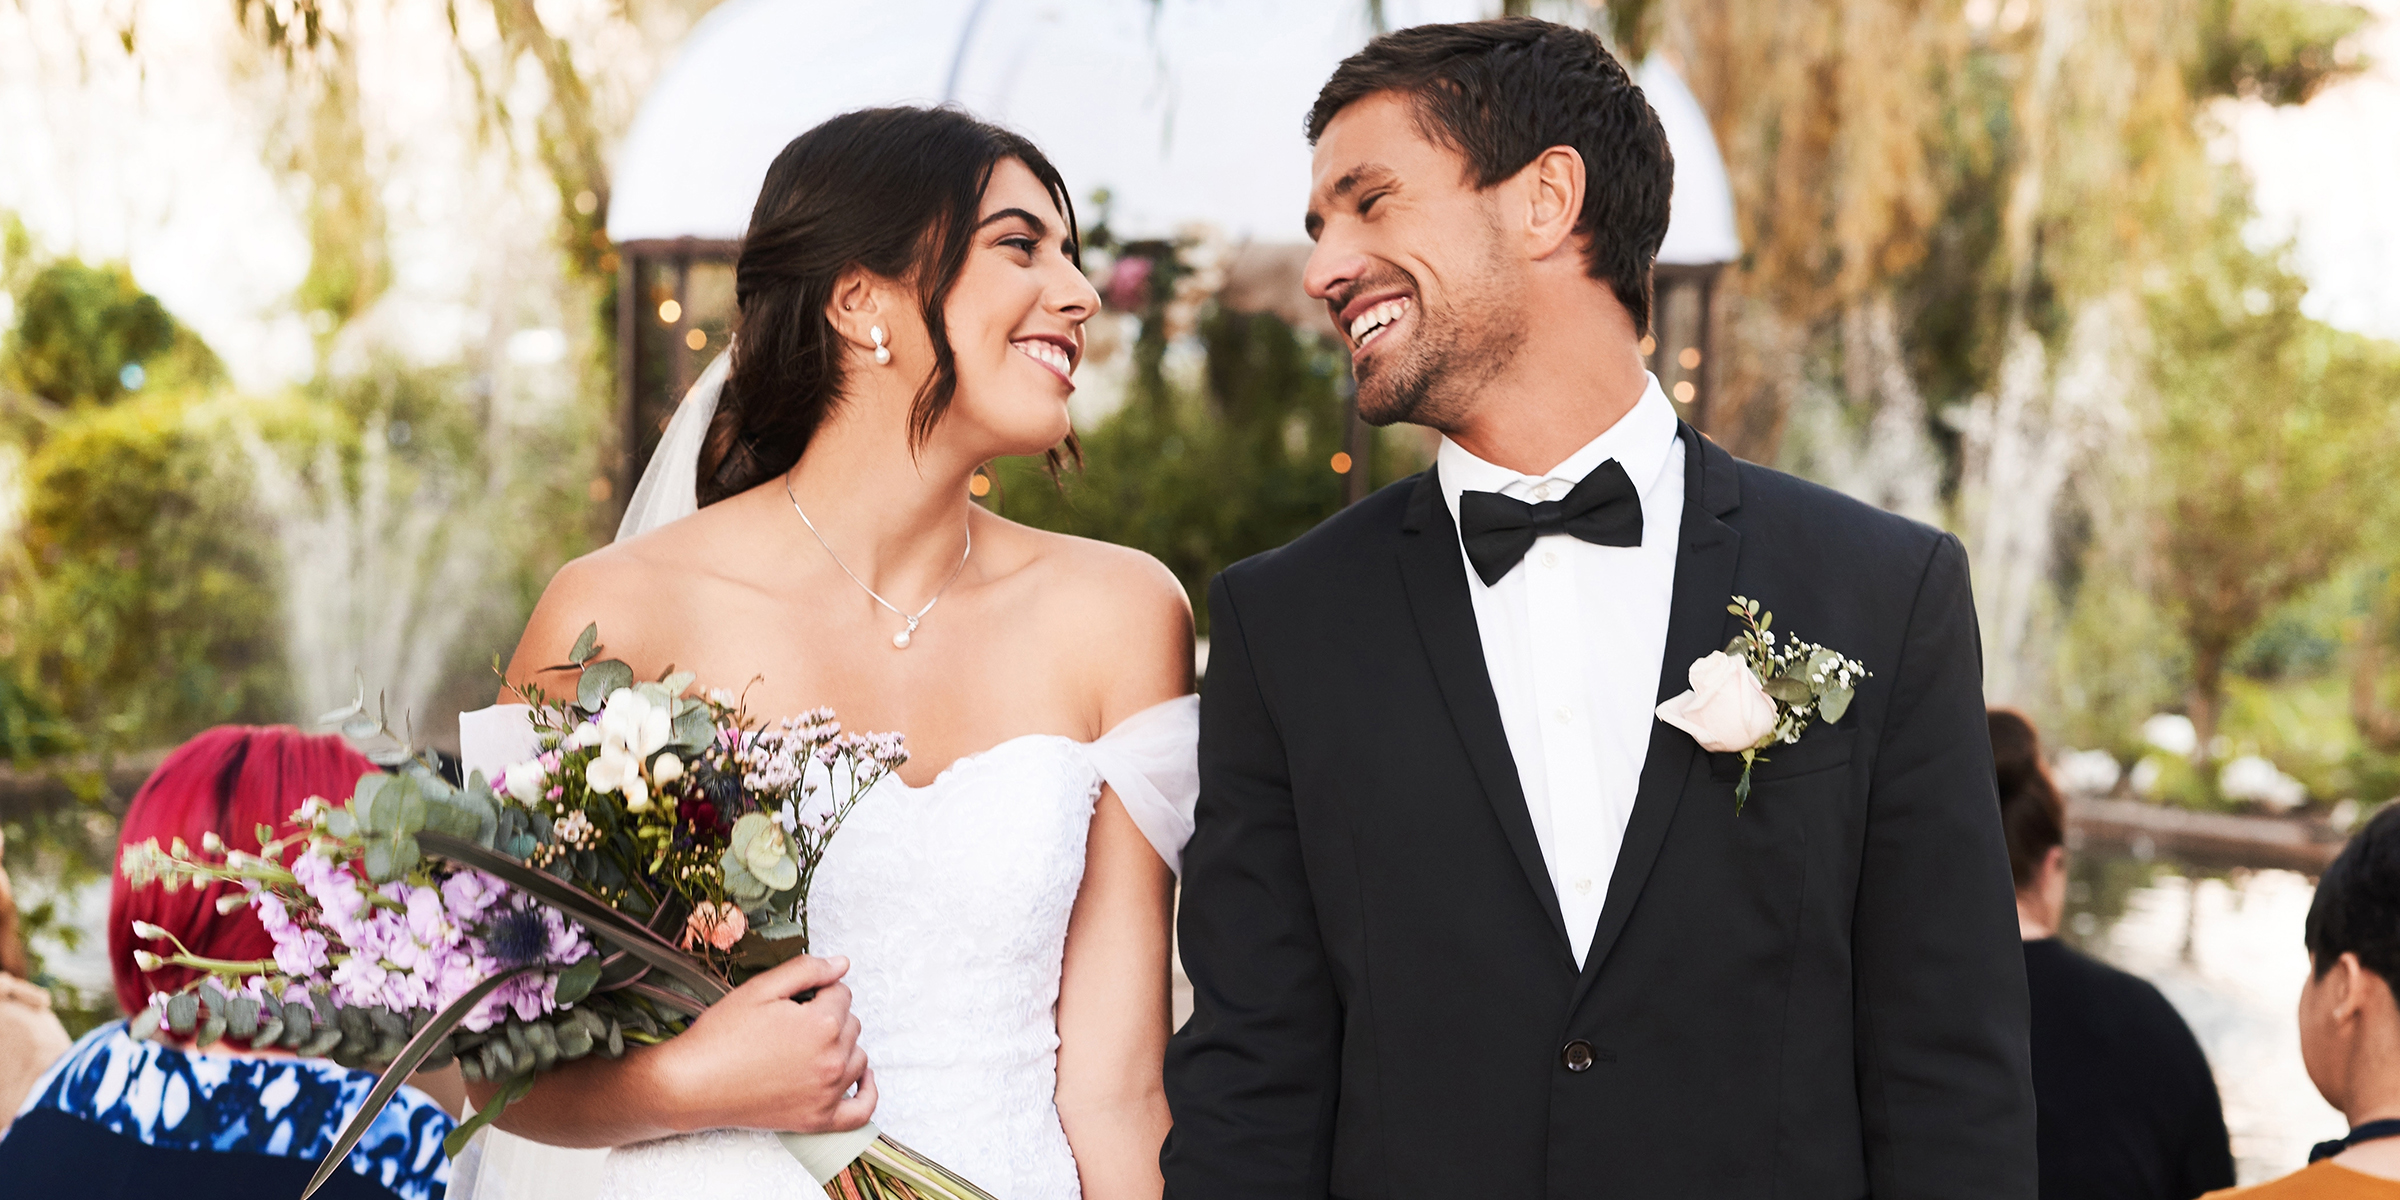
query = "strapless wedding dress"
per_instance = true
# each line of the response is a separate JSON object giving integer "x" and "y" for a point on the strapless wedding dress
{"x": 951, "y": 901}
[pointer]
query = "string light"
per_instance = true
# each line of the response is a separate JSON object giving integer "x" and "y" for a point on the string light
{"x": 696, "y": 340}
{"x": 669, "y": 311}
{"x": 1649, "y": 345}
{"x": 1684, "y": 391}
{"x": 1341, "y": 463}
{"x": 977, "y": 485}
{"x": 1690, "y": 358}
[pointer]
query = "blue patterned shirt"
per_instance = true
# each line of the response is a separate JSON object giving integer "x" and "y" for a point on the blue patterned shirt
{"x": 279, "y": 1107}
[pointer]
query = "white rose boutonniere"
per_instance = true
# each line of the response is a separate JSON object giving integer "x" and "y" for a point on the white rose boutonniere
{"x": 1757, "y": 692}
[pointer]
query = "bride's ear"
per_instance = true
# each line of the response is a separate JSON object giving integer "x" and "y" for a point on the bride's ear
{"x": 857, "y": 309}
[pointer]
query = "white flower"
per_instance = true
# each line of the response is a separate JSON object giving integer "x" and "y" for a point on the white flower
{"x": 637, "y": 795}
{"x": 525, "y": 781}
{"x": 666, "y": 768}
{"x": 148, "y": 932}
{"x": 582, "y": 737}
{"x": 1727, "y": 710}
{"x": 631, "y": 720}
{"x": 612, "y": 769}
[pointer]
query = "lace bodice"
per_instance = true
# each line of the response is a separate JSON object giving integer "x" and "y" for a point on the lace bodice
{"x": 951, "y": 901}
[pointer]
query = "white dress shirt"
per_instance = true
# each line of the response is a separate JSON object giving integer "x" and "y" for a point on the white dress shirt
{"x": 1573, "y": 637}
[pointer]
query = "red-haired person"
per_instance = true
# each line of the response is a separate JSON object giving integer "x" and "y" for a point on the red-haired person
{"x": 30, "y": 1036}
{"x": 2127, "y": 1107}
{"x": 120, "y": 1119}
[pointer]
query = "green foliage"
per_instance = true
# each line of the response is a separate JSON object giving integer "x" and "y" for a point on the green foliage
{"x": 2279, "y": 51}
{"x": 1203, "y": 481}
{"x": 79, "y": 328}
{"x": 148, "y": 609}
{"x": 2273, "y": 436}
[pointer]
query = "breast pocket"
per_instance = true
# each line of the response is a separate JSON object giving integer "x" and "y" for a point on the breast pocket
{"x": 1820, "y": 751}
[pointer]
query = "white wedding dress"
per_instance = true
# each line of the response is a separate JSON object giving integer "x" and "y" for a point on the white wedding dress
{"x": 951, "y": 901}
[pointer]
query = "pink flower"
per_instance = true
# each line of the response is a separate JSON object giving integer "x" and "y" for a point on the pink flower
{"x": 300, "y": 952}
{"x": 720, "y": 925}
{"x": 1727, "y": 710}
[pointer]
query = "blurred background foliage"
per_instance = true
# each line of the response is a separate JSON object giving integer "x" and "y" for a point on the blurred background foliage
{"x": 1995, "y": 278}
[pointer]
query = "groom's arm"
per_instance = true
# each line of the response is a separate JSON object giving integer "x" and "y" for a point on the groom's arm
{"x": 1252, "y": 1077}
{"x": 1943, "y": 1075}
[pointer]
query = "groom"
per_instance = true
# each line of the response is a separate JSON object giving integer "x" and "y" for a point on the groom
{"x": 1462, "y": 917}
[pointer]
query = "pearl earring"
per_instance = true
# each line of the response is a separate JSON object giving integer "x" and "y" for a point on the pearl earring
{"x": 883, "y": 353}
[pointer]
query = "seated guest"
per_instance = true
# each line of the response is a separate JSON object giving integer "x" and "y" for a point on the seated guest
{"x": 30, "y": 1036}
{"x": 2127, "y": 1108}
{"x": 120, "y": 1119}
{"x": 2349, "y": 1024}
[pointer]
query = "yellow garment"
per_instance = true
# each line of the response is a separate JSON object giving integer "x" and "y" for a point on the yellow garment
{"x": 30, "y": 1040}
{"x": 2319, "y": 1181}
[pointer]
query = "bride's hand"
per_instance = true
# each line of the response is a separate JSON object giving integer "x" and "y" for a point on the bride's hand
{"x": 756, "y": 1060}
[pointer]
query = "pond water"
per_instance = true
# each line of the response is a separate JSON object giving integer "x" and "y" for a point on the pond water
{"x": 2224, "y": 946}
{"x": 2222, "y": 943}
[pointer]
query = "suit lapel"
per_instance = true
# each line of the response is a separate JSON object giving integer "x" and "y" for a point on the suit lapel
{"x": 1436, "y": 578}
{"x": 1705, "y": 559}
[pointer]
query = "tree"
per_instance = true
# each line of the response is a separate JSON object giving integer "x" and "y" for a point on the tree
{"x": 2270, "y": 447}
{"x": 90, "y": 334}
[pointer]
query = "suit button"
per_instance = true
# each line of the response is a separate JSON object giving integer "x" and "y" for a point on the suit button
{"x": 1577, "y": 1055}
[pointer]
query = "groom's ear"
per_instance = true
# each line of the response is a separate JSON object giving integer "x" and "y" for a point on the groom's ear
{"x": 1551, "y": 190}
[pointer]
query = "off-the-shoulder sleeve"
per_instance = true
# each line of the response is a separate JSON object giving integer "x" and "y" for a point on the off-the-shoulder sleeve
{"x": 1152, "y": 759}
{"x": 496, "y": 737}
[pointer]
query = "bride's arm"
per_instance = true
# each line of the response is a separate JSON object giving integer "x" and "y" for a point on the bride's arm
{"x": 1113, "y": 1011}
{"x": 755, "y": 1060}
{"x": 1113, "y": 1008}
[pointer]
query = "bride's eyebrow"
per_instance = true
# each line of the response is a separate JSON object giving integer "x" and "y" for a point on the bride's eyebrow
{"x": 1040, "y": 230}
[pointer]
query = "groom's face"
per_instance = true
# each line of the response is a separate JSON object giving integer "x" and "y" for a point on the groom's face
{"x": 1410, "y": 261}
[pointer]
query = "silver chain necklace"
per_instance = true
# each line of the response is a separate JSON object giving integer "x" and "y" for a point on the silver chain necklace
{"x": 901, "y": 639}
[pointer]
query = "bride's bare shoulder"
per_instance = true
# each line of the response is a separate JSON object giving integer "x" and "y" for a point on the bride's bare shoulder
{"x": 1113, "y": 607}
{"x": 627, "y": 588}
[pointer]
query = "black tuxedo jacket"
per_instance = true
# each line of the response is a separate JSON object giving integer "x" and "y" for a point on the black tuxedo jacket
{"x": 1822, "y": 996}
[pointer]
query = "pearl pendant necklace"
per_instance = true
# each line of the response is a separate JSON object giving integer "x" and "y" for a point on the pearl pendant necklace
{"x": 901, "y": 639}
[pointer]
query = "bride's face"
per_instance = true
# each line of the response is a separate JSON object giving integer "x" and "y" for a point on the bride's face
{"x": 1015, "y": 320}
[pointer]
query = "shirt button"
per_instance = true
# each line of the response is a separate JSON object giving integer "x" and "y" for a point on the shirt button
{"x": 1577, "y": 1056}
{"x": 1541, "y": 491}
{"x": 1563, "y": 713}
{"x": 1583, "y": 887}
{"x": 1549, "y": 558}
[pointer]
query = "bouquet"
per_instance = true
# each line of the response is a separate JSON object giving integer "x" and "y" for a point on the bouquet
{"x": 656, "y": 853}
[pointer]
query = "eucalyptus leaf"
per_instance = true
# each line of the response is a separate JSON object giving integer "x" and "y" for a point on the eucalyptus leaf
{"x": 585, "y": 643}
{"x": 694, "y": 728}
{"x": 678, "y": 682}
{"x": 1789, "y": 690}
{"x": 298, "y": 1028}
{"x": 241, "y": 1017}
{"x": 145, "y": 1024}
{"x": 210, "y": 1031}
{"x": 270, "y": 1032}
{"x": 577, "y": 981}
{"x": 212, "y": 996}
{"x": 574, "y": 1040}
{"x": 600, "y": 680}
{"x": 739, "y": 882}
{"x": 1834, "y": 703}
{"x": 1821, "y": 662}
{"x": 322, "y": 1044}
{"x": 361, "y": 727}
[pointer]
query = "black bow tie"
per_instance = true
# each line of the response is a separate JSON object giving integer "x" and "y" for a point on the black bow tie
{"x": 1603, "y": 510}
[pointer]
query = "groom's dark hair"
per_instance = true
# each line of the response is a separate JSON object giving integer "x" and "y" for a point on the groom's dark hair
{"x": 1501, "y": 92}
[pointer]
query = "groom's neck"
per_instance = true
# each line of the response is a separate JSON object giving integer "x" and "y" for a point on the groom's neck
{"x": 1575, "y": 372}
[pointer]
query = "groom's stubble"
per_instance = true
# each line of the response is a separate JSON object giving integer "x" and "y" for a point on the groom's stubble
{"x": 1461, "y": 345}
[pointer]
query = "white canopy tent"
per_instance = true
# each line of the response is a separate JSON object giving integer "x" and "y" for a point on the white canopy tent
{"x": 1188, "y": 112}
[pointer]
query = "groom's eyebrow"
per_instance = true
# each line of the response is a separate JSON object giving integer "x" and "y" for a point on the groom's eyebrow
{"x": 1351, "y": 181}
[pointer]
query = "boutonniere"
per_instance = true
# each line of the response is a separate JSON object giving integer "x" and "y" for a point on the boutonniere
{"x": 1759, "y": 691}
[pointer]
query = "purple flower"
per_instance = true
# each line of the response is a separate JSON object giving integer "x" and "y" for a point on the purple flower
{"x": 300, "y": 952}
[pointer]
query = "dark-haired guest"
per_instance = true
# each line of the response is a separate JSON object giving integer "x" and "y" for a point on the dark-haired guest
{"x": 120, "y": 1119}
{"x": 2349, "y": 1024}
{"x": 2127, "y": 1108}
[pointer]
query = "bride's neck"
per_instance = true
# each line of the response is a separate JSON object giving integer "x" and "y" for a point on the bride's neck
{"x": 897, "y": 519}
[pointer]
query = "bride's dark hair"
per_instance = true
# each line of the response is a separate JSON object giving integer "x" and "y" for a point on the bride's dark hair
{"x": 892, "y": 190}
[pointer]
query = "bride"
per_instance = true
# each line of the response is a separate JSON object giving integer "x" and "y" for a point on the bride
{"x": 992, "y": 926}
